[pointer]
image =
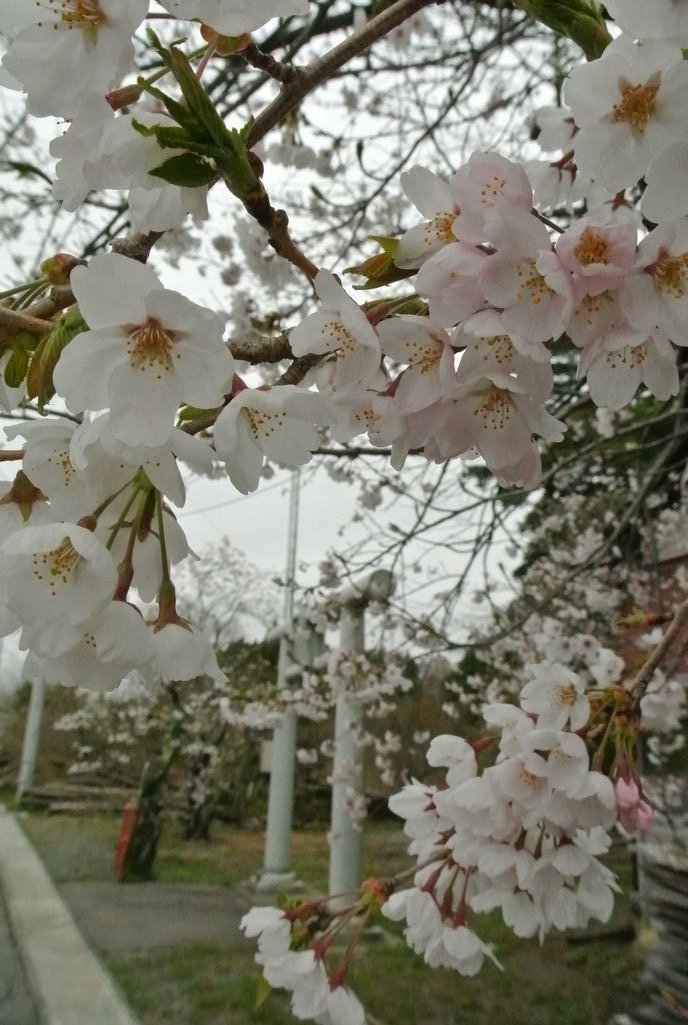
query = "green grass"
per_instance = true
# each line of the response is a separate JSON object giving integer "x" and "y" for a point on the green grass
{"x": 204, "y": 984}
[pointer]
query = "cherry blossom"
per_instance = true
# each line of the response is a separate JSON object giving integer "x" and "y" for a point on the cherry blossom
{"x": 234, "y": 17}
{"x": 72, "y": 52}
{"x": 435, "y": 199}
{"x": 55, "y": 579}
{"x": 628, "y": 105}
{"x": 275, "y": 423}
{"x": 340, "y": 328}
{"x": 147, "y": 350}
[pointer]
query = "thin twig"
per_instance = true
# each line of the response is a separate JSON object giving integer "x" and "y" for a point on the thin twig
{"x": 645, "y": 674}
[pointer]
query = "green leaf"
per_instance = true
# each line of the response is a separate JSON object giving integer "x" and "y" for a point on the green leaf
{"x": 174, "y": 108}
{"x": 185, "y": 170}
{"x": 263, "y": 991}
{"x": 39, "y": 382}
{"x": 16, "y": 366}
{"x": 187, "y": 413}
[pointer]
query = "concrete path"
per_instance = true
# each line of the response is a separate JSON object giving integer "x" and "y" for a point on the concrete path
{"x": 16, "y": 1004}
{"x": 68, "y": 982}
{"x": 150, "y": 916}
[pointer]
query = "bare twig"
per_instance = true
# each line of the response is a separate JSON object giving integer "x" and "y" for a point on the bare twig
{"x": 291, "y": 94}
{"x": 643, "y": 677}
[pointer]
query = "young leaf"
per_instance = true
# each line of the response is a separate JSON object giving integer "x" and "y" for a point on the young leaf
{"x": 186, "y": 170}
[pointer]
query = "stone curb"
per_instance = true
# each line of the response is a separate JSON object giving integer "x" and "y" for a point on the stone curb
{"x": 69, "y": 984}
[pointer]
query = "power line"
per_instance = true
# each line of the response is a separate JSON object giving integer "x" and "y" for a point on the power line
{"x": 233, "y": 501}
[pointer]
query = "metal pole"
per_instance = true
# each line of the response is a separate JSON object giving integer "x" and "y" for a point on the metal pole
{"x": 32, "y": 735}
{"x": 276, "y": 873}
{"x": 347, "y": 771}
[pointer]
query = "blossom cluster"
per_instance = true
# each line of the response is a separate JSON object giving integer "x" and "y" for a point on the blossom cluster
{"x": 525, "y": 835}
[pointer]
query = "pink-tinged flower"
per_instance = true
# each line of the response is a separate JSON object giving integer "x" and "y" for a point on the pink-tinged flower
{"x": 56, "y": 577}
{"x": 666, "y": 195}
{"x": 278, "y": 423}
{"x": 234, "y": 17}
{"x": 628, "y": 105}
{"x": 450, "y": 280}
{"x": 526, "y": 279}
{"x": 655, "y": 295}
{"x": 557, "y": 696}
{"x": 148, "y": 349}
{"x": 426, "y": 349}
{"x": 434, "y": 198}
{"x": 597, "y": 255}
{"x": 614, "y": 375}
{"x": 454, "y": 754}
{"x": 635, "y": 814}
{"x": 493, "y": 351}
{"x": 486, "y": 184}
{"x": 70, "y": 53}
{"x": 376, "y": 415}
{"x": 343, "y": 330}
{"x": 599, "y": 321}
{"x": 498, "y": 422}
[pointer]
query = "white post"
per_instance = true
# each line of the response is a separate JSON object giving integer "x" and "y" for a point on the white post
{"x": 32, "y": 735}
{"x": 347, "y": 770}
{"x": 276, "y": 873}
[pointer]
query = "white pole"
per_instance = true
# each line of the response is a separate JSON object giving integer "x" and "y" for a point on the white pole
{"x": 276, "y": 873}
{"x": 32, "y": 736}
{"x": 347, "y": 771}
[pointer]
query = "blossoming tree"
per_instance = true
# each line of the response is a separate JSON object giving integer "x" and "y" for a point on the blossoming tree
{"x": 501, "y": 269}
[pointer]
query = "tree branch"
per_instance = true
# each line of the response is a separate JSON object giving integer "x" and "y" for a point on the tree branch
{"x": 291, "y": 94}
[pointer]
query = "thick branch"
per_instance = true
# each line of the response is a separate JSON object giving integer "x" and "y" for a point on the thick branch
{"x": 291, "y": 94}
{"x": 13, "y": 321}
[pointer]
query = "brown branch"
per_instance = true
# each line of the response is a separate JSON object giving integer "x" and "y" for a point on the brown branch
{"x": 13, "y": 321}
{"x": 58, "y": 299}
{"x": 291, "y": 94}
{"x": 278, "y": 70}
{"x": 643, "y": 677}
{"x": 262, "y": 350}
{"x": 137, "y": 247}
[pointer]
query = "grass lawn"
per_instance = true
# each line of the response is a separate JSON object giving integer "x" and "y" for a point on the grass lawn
{"x": 560, "y": 983}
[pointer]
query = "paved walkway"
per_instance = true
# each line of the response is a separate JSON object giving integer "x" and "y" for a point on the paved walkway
{"x": 68, "y": 982}
{"x": 16, "y": 1004}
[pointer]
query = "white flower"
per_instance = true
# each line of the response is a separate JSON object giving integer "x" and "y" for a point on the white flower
{"x": 557, "y": 696}
{"x": 279, "y": 423}
{"x": 427, "y": 350}
{"x": 434, "y": 198}
{"x": 661, "y": 19}
{"x": 234, "y": 17}
{"x": 628, "y": 105}
{"x": 148, "y": 350}
{"x": 113, "y": 644}
{"x": 56, "y": 577}
{"x": 183, "y": 652}
{"x": 340, "y": 328}
{"x": 271, "y": 926}
{"x": 72, "y": 52}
